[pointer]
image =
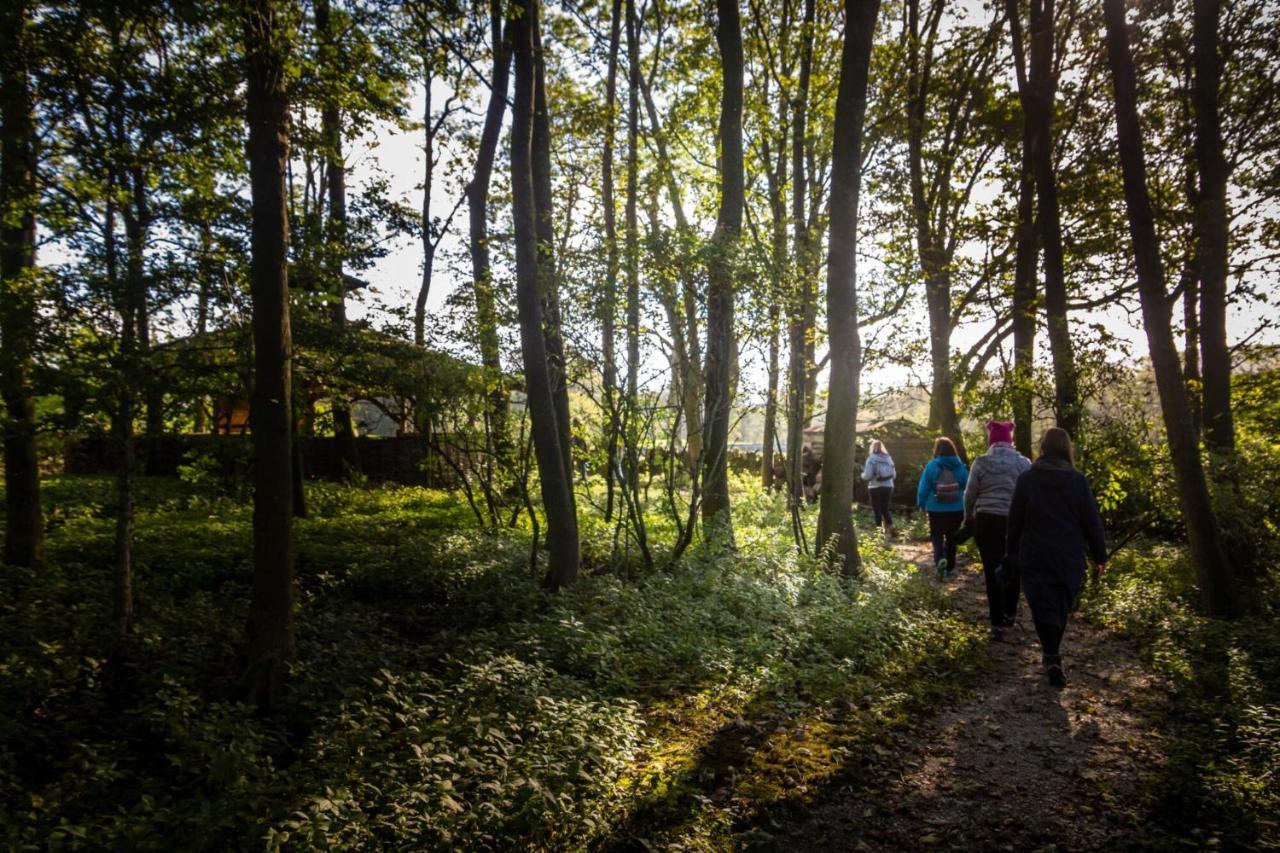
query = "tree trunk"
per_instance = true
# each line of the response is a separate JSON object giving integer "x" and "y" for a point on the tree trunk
{"x": 1024, "y": 265}
{"x": 557, "y": 492}
{"x": 271, "y": 639}
{"x": 122, "y": 425}
{"x": 1211, "y": 232}
{"x": 1038, "y": 110}
{"x": 1213, "y": 572}
{"x": 478, "y": 210}
{"x": 797, "y": 328}
{"x": 428, "y": 180}
{"x": 691, "y": 379}
{"x": 776, "y": 177}
{"x": 336, "y": 237}
{"x": 24, "y": 525}
{"x": 202, "y": 311}
{"x": 134, "y": 342}
{"x": 548, "y": 279}
{"x": 632, "y": 409}
{"x": 835, "y": 514}
{"x": 716, "y": 520}
{"x": 609, "y": 304}
{"x": 934, "y": 265}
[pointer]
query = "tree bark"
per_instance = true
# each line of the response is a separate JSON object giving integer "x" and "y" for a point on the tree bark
{"x": 632, "y": 410}
{"x": 1211, "y": 231}
{"x": 934, "y": 263}
{"x": 716, "y": 519}
{"x": 798, "y": 330}
{"x": 24, "y": 524}
{"x": 1217, "y": 584}
{"x": 835, "y": 514}
{"x": 609, "y": 304}
{"x": 1038, "y": 110}
{"x": 478, "y": 214}
{"x": 557, "y": 489}
{"x": 336, "y": 237}
{"x": 271, "y": 635}
{"x": 1024, "y": 265}
{"x": 428, "y": 182}
{"x": 548, "y": 278}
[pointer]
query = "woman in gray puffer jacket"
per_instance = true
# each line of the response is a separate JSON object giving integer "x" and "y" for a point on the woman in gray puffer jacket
{"x": 986, "y": 511}
{"x": 879, "y": 473}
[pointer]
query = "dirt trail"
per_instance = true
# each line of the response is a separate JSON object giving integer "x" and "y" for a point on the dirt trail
{"x": 1016, "y": 764}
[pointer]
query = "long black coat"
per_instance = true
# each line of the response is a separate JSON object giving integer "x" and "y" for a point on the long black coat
{"x": 1053, "y": 520}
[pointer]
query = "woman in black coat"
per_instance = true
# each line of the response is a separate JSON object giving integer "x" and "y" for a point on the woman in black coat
{"x": 1053, "y": 521}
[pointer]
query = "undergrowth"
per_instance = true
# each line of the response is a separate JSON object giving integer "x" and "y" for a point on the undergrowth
{"x": 439, "y": 699}
{"x": 1219, "y": 786}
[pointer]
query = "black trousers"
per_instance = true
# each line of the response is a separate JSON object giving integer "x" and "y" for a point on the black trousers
{"x": 1050, "y": 642}
{"x": 942, "y": 533}
{"x": 1002, "y": 599}
{"x": 880, "y": 505}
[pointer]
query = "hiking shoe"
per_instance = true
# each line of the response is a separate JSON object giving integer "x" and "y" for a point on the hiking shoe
{"x": 1056, "y": 678}
{"x": 1010, "y": 621}
{"x": 996, "y": 634}
{"x": 942, "y": 567}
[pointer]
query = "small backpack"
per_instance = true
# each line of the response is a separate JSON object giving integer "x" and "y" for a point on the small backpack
{"x": 947, "y": 488}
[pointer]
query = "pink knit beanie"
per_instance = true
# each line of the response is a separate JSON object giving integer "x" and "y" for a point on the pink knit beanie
{"x": 999, "y": 431}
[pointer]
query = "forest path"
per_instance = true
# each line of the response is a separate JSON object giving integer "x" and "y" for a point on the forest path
{"x": 1016, "y": 764}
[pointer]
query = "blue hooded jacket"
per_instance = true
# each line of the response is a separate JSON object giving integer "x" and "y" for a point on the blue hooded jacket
{"x": 926, "y": 499}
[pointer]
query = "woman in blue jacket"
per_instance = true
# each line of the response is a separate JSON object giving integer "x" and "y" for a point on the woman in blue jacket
{"x": 941, "y": 494}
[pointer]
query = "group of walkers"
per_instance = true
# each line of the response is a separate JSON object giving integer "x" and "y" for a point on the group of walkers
{"x": 1033, "y": 524}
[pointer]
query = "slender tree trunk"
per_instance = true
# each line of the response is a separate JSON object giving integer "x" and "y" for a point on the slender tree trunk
{"x": 633, "y": 252}
{"x": 478, "y": 209}
{"x": 691, "y": 380}
{"x": 548, "y": 278}
{"x": 1039, "y": 116}
{"x": 134, "y": 341}
{"x": 202, "y": 310}
{"x": 336, "y": 237}
{"x": 428, "y": 180}
{"x": 271, "y": 639}
{"x": 1024, "y": 266}
{"x": 1211, "y": 231}
{"x": 557, "y": 492}
{"x": 797, "y": 327}
{"x": 716, "y": 519}
{"x": 609, "y": 304}
{"x": 776, "y": 174}
{"x": 122, "y": 426}
{"x": 1191, "y": 341}
{"x": 934, "y": 263}
{"x": 24, "y": 525}
{"x": 1217, "y": 586}
{"x": 835, "y": 514}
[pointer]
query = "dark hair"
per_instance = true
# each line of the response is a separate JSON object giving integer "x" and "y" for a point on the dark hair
{"x": 1056, "y": 444}
{"x": 944, "y": 447}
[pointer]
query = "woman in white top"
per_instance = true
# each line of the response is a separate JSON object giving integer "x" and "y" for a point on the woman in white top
{"x": 879, "y": 474}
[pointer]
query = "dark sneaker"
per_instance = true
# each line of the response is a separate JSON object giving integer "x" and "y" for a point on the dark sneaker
{"x": 942, "y": 567}
{"x": 1056, "y": 678}
{"x": 996, "y": 634}
{"x": 1010, "y": 621}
